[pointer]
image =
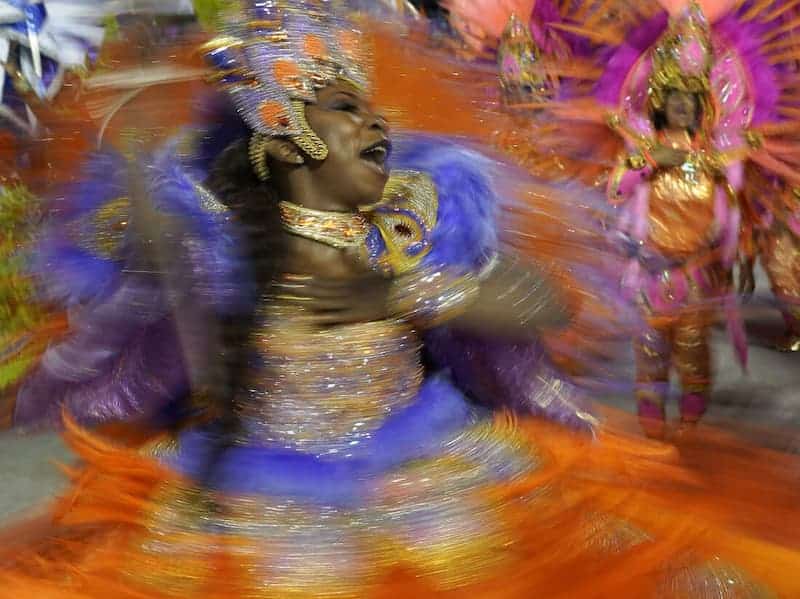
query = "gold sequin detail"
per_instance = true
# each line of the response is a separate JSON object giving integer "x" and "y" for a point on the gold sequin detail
{"x": 208, "y": 200}
{"x": 431, "y": 297}
{"x": 337, "y": 229}
{"x": 681, "y": 215}
{"x": 326, "y": 390}
{"x": 307, "y": 140}
{"x": 430, "y": 513}
{"x": 684, "y": 35}
{"x": 636, "y": 162}
{"x": 258, "y": 155}
{"x": 162, "y": 447}
{"x": 781, "y": 258}
{"x": 173, "y": 552}
{"x": 405, "y": 218}
{"x": 296, "y": 550}
{"x": 609, "y": 534}
{"x": 102, "y": 231}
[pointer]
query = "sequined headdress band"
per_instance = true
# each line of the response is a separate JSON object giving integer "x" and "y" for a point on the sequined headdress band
{"x": 272, "y": 56}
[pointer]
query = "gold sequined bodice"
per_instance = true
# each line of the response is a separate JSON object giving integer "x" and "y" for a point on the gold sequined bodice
{"x": 681, "y": 214}
{"x": 325, "y": 391}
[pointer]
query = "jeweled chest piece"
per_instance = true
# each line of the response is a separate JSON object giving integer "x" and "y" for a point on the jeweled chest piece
{"x": 337, "y": 229}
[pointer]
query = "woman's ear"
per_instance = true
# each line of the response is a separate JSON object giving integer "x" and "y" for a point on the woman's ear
{"x": 283, "y": 150}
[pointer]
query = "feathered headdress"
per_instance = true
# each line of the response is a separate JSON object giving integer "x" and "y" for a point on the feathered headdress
{"x": 519, "y": 58}
{"x": 683, "y": 58}
{"x": 273, "y": 55}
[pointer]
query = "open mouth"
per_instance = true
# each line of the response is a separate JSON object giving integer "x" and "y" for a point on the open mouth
{"x": 378, "y": 153}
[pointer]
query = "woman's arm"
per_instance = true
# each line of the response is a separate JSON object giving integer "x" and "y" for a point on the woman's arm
{"x": 508, "y": 299}
{"x": 516, "y": 300}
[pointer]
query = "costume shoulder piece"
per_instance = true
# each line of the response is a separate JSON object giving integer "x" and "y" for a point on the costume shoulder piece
{"x": 438, "y": 208}
{"x": 403, "y": 222}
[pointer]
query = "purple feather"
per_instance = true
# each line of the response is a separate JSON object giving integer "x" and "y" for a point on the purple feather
{"x": 142, "y": 380}
{"x": 620, "y": 60}
{"x": 745, "y": 39}
{"x": 98, "y": 372}
{"x": 122, "y": 358}
{"x": 500, "y": 374}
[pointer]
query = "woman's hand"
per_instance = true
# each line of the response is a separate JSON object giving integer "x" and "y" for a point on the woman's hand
{"x": 666, "y": 157}
{"x": 515, "y": 301}
{"x": 341, "y": 301}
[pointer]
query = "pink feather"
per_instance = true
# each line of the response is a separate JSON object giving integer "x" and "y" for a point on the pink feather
{"x": 481, "y": 20}
{"x": 736, "y": 330}
{"x": 713, "y": 9}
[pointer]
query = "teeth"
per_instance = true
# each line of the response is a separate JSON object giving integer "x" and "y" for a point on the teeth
{"x": 376, "y": 154}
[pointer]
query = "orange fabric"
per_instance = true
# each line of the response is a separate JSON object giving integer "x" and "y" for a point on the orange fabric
{"x": 709, "y": 495}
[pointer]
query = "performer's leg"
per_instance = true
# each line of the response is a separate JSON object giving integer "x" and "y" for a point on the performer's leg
{"x": 790, "y": 307}
{"x": 652, "y": 378}
{"x": 692, "y": 360}
{"x": 781, "y": 259}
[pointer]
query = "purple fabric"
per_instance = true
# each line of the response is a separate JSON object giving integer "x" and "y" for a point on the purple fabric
{"x": 736, "y": 330}
{"x": 121, "y": 360}
{"x": 628, "y": 182}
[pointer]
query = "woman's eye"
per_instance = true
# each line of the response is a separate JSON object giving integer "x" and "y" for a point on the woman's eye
{"x": 345, "y": 106}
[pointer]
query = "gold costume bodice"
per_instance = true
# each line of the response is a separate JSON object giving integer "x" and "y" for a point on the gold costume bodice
{"x": 325, "y": 390}
{"x": 681, "y": 212}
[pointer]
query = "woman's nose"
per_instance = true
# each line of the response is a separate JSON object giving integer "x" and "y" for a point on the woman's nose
{"x": 378, "y": 121}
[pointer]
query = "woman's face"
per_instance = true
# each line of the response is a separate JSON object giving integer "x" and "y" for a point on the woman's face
{"x": 357, "y": 138}
{"x": 681, "y": 110}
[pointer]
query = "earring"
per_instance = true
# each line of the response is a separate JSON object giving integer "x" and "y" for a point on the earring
{"x": 257, "y": 150}
{"x": 307, "y": 140}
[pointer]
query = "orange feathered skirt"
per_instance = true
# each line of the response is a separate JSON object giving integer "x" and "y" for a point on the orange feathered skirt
{"x": 611, "y": 516}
